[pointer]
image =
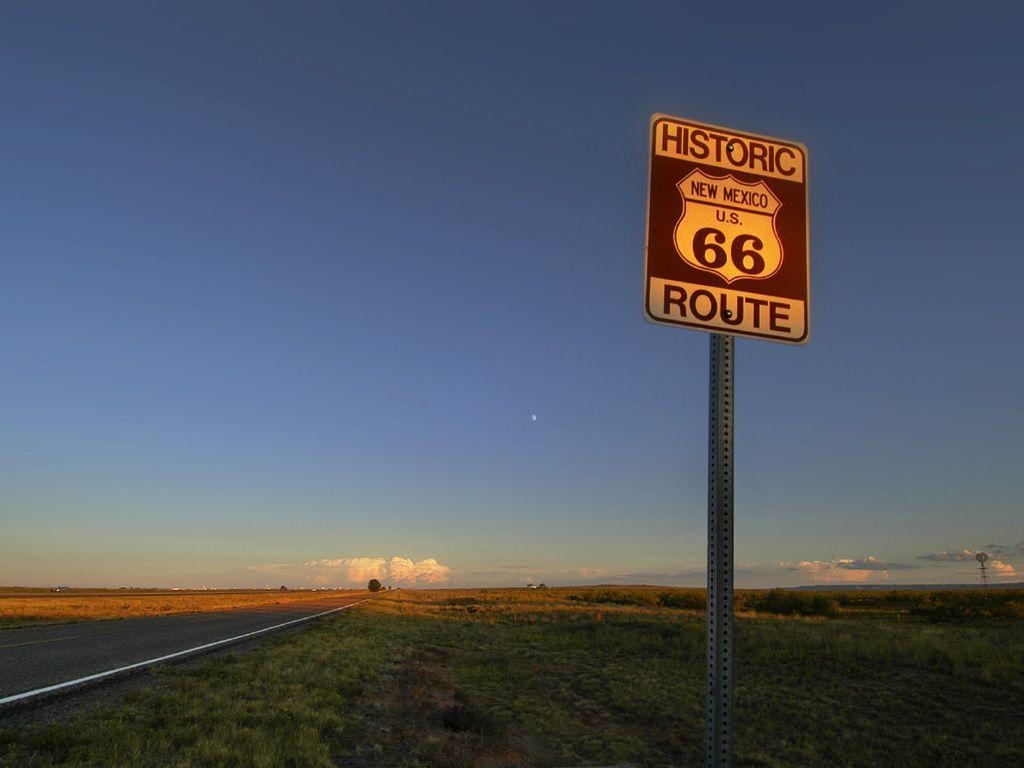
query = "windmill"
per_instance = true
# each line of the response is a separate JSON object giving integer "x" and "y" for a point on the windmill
{"x": 981, "y": 557}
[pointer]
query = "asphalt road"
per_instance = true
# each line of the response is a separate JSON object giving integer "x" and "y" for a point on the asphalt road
{"x": 37, "y": 657}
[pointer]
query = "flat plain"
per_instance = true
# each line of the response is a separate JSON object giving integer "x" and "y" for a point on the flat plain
{"x": 582, "y": 677}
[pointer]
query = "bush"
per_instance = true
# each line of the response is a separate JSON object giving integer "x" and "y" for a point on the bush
{"x": 374, "y": 585}
{"x": 694, "y": 599}
{"x": 791, "y": 603}
{"x": 970, "y": 606}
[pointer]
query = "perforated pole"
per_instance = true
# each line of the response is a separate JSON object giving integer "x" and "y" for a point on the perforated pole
{"x": 720, "y": 461}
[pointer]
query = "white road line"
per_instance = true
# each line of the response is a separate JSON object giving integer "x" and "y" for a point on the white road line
{"x": 100, "y": 675}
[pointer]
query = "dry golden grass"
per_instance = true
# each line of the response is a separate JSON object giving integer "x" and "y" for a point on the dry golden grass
{"x": 19, "y": 607}
{"x": 490, "y": 606}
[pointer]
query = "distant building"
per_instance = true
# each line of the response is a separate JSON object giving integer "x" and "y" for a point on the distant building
{"x": 531, "y": 585}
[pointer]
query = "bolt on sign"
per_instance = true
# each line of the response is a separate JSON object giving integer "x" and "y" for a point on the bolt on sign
{"x": 727, "y": 243}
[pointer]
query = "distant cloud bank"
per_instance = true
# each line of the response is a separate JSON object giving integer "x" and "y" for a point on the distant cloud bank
{"x": 999, "y": 551}
{"x": 999, "y": 555}
{"x": 357, "y": 571}
{"x": 947, "y": 556}
{"x": 845, "y": 569}
{"x": 400, "y": 570}
{"x": 403, "y": 571}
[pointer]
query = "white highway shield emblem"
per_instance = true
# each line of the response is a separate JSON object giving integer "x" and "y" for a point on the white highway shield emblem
{"x": 728, "y": 227}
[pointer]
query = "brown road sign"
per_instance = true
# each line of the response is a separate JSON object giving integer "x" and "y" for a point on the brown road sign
{"x": 727, "y": 245}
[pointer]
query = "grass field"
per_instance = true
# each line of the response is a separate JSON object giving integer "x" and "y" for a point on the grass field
{"x": 575, "y": 677}
{"x": 22, "y": 607}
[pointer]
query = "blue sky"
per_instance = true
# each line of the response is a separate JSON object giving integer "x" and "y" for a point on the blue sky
{"x": 284, "y": 284}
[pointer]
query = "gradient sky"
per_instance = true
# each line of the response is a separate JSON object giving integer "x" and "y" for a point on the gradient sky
{"x": 283, "y": 285}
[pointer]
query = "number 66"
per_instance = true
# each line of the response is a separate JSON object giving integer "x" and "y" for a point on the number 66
{"x": 713, "y": 255}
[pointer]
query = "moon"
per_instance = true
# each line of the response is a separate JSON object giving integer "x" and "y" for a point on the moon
{"x": 533, "y": 417}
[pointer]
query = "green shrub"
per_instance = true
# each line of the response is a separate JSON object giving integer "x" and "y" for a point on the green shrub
{"x": 786, "y": 602}
{"x": 965, "y": 606}
{"x": 694, "y": 599}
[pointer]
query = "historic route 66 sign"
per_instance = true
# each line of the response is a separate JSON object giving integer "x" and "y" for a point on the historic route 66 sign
{"x": 727, "y": 232}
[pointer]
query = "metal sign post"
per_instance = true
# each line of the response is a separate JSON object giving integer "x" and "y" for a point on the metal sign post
{"x": 720, "y": 460}
{"x": 726, "y": 252}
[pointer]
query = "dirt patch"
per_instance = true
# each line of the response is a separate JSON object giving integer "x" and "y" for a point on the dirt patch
{"x": 417, "y": 713}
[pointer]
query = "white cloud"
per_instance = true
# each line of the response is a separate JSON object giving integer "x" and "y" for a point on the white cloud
{"x": 821, "y": 571}
{"x": 397, "y": 570}
{"x": 947, "y": 556}
{"x": 870, "y": 563}
{"x": 357, "y": 571}
{"x": 1002, "y": 568}
{"x": 844, "y": 570}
